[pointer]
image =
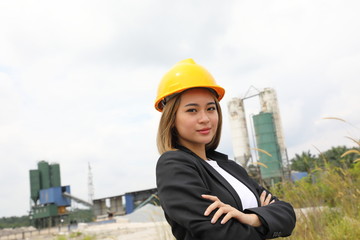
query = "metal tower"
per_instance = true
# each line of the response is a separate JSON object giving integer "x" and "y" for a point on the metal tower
{"x": 90, "y": 185}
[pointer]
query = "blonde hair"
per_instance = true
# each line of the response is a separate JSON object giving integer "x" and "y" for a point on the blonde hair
{"x": 167, "y": 135}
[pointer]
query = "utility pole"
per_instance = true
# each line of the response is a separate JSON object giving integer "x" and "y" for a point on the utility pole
{"x": 90, "y": 185}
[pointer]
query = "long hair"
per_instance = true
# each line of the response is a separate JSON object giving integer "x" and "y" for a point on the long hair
{"x": 167, "y": 135}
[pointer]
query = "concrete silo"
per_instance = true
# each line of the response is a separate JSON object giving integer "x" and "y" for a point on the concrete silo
{"x": 266, "y": 140}
{"x": 268, "y": 133}
{"x": 49, "y": 203}
{"x": 269, "y": 104}
{"x": 239, "y": 132}
{"x": 269, "y": 137}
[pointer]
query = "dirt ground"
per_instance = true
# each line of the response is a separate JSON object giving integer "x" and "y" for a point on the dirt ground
{"x": 147, "y": 223}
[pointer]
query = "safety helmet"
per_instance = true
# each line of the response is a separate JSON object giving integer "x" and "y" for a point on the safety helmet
{"x": 184, "y": 75}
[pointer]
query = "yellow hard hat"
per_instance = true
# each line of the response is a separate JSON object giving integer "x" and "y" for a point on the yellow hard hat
{"x": 184, "y": 75}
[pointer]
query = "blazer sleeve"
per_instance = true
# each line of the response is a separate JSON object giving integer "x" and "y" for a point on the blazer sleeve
{"x": 180, "y": 187}
{"x": 279, "y": 217}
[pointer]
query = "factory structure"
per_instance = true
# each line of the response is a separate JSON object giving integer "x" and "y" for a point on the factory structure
{"x": 263, "y": 146}
{"x": 108, "y": 207}
{"x": 49, "y": 200}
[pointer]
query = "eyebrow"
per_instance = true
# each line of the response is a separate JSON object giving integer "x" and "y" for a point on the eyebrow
{"x": 195, "y": 104}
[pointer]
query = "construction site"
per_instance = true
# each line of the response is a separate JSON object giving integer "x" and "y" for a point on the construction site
{"x": 131, "y": 215}
{"x": 49, "y": 199}
{"x": 258, "y": 143}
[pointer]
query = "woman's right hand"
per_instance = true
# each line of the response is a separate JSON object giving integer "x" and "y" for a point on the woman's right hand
{"x": 229, "y": 212}
{"x": 265, "y": 200}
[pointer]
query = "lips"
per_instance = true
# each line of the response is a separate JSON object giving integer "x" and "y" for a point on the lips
{"x": 204, "y": 130}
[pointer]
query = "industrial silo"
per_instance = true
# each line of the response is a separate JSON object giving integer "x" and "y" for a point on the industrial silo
{"x": 239, "y": 132}
{"x": 35, "y": 185}
{"x": 48, "y": 196}
{"x": 44, "y": 170}
{"x": 266, "y": 140}
{"x": 55, "y": 180}
{"x": 269, "y": 104}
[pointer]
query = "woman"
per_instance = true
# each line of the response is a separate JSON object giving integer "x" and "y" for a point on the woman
{"x": 204, "y": 194}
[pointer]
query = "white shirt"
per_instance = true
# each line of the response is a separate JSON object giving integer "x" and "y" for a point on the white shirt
{"x": 246, "y": 196}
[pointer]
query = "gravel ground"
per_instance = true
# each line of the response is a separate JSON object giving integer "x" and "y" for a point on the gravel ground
{"x": 146, "y": 223}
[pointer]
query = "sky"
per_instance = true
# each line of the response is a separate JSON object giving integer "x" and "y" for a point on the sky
{"x": 78, "y": 81}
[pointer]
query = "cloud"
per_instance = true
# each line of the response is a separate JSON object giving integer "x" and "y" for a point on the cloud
{"x": 78, "y": 80}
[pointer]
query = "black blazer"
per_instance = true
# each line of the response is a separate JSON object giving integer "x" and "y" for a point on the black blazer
{"x": 182, "y": 177}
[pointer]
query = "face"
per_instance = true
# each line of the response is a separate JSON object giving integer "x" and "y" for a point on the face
{"x": 196, "y": 118}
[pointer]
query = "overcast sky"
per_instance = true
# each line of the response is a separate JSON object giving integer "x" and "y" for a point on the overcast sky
{"x": 78, "y": 80}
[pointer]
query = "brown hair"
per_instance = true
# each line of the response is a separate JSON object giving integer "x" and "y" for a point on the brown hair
{"x": 167, "y": 134}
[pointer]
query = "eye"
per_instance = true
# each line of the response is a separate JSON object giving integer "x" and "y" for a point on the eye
{"x": 191, "y": 110}
{"x": 212, "y": 109}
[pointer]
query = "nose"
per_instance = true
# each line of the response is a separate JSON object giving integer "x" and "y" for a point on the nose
{"x": 204, "y": 118}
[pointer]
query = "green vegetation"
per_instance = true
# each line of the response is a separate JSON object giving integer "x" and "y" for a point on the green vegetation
{"x": 76, "y": 215}
{"x": 306, "y": 162}
{"x": 89, "y": 237}
{"x": 13, "y": 222}
{"x": 77, "y": 236}
{"x": 80, "y": 215}
{"x": 61, "y": 237}
{"x": 329, "y": 197}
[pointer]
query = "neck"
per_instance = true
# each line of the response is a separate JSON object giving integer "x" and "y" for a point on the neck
{"x": 201, "y": 154}
{"x": 198, "y": 150}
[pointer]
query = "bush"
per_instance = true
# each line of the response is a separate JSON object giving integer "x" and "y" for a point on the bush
{"x": 327, "y": 203}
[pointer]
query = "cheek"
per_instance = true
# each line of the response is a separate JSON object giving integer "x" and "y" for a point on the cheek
{"x": 215, "y": 123}
{"x": 185, "y": 125}
{"x": 182, "y": 122}
{"x": 215, "y": 119}
{"x": 179, "y": 123}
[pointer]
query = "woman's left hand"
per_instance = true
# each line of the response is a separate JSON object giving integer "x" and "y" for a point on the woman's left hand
{"x": 230, "y": 212}
{"x": 265, "y": 200}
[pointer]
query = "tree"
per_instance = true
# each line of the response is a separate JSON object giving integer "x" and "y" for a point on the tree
{"x": 304, "y": 162}
{"x": 333, "y": 157}
{"x": 13, "y": 222}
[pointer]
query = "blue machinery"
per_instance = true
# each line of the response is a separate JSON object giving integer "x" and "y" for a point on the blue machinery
{"x": 50, "y": 199}
{"x": 48, "y": 204}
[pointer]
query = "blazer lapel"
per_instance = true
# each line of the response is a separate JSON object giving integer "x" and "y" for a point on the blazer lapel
{"x": 223, "y": 181}
{"x": 224, "y": 163}
{"x": 234, "y": 171}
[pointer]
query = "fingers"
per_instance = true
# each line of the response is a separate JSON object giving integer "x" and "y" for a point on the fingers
{"x": 268, "y": 198}
{"x": 225, "y": 209}
{"x": 262, "y": 197}
{"x": 226, "y": 218}
{"x": 210, "y": 197}
{"x": 217, "y": 204}
{"x": 229, "y": 212}
{"x": 265, "y": 200}
{"x": 216, "y": 216}
{"x": 211, "y": 208}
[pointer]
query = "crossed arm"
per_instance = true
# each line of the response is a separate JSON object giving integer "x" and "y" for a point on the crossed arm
{"x": 231, "y": 212}
{"x": 181, "y": 182}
